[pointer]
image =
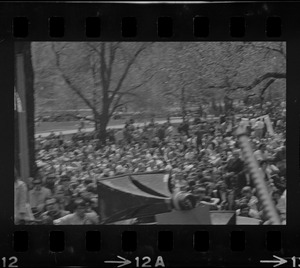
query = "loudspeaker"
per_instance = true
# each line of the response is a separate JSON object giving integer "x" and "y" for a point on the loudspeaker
{"x": 199, "y": 215}
{"x": 223, "y": 217}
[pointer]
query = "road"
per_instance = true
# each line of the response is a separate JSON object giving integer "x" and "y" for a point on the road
{"x": 74, "y": 128}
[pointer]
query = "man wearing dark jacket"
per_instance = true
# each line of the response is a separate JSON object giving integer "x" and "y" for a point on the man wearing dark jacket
{"x": 185, "y": 128}
{"x": 237, "y": 166}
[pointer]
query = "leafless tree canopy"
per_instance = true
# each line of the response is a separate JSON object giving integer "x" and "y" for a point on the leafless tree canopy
{"x": 106, "y": 76}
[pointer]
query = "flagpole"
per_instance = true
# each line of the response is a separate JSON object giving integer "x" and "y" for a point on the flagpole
{"x": 23, "y": 135}
{"x": 16, "y": 133}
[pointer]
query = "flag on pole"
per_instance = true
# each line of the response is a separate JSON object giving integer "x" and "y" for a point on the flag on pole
{"x": 18, "y": 103}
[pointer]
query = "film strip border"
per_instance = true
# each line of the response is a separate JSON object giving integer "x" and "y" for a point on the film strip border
{"x": 130, "y": 27}
{"x": 200, "y": 241}
{"x": 236, "y": 245}
{"x": 126, "y": 22}
{"x": 175, "y": 246}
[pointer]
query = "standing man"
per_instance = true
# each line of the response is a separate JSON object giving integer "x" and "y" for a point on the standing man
{"x": 199, "y": 134}
{"x": 21, "y": 206}
{"x": 259, "y": 128}
{"x": 38, "y": 196}
{"x": 185, "y": 128}
{"x": 81, "y": 124}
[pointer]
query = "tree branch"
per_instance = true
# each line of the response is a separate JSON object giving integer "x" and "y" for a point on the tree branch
{"x": 266, "y": 86}
{"x": 126, "y": 71}
{"x": 282, "y": 50}
{"x": 136, "y": 86}
{"x": 257, "y": 81}
{"x": 94, "y": 72}
{"x": 93, "y": 48}
{"x": 123, "y": 93}
{"x": 278, "y": 50}
{"x": 117, "y": 105}
{"x": 103, "y": 68}
{"x": 69, "y": 82}
{"x": 170, "y": 93}
{"x": 112, "y": 56}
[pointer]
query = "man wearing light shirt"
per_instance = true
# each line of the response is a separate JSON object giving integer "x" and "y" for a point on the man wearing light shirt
{"x": 38, "y": 196}
{"x": 21, "y": 206}
{"x": 259, "y": 127}
{"x": 79, "y": 217}
{"x": 261, "y": 154}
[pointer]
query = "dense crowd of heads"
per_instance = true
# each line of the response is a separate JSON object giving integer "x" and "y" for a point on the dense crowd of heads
{"x": 202, "y": 157}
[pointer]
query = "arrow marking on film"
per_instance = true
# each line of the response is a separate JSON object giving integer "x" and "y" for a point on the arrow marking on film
{"x": 278, "y": 262}
{"x": 123, "y": 261}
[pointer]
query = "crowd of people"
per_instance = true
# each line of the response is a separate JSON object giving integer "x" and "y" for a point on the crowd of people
{"x": 202, "y": 156}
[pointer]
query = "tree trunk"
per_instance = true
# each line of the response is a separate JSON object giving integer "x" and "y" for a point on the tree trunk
{"x": 183, "y": 110}
{"x": 97, "y": 124}
{"x": 102, "y": 131}
{"x": 103, "y": 119}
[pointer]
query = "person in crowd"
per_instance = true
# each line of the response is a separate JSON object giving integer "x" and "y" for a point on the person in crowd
{"x": 79, "y": 217}
{"x": 259, "y": 128}
{"x": 63, "y": 189}
{"x": 50, "y": 183}
{"x": 202, "y": 155}
{"x": 185, "y": 128}
{"x": 202, "y": 198}
{"x": 245, "y": 211}
{"x": 248, "y": 198}
{"x": 266, "y": 174}
{"x": 38, "y": 196}
{"x": 53, "y": 212}
{"x": 262, "y": 153}
{"x": 22, "y": 209}
{"x": 230, "y": 203}
{"x": 280, "y": 202}
{"x": 236, "y": 169}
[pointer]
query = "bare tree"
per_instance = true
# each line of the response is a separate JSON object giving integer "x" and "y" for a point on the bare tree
{"x": 265, "y": 80}
{"x": 111, "y": 65}
{"x": 240, "y": 58}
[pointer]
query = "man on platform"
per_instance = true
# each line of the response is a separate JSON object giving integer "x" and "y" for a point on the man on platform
{"x": 245, "y": 211}
{"x": 202, "y": 198}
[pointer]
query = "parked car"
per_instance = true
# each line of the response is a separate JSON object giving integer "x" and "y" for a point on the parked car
{"x": 89, "y": 117}
{"x": 117, "y": 115}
